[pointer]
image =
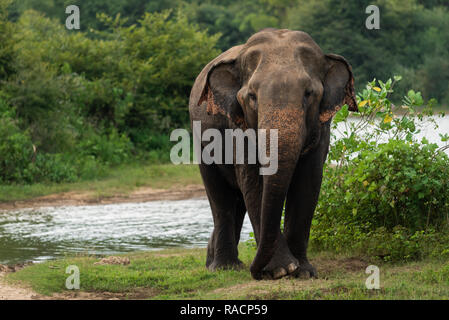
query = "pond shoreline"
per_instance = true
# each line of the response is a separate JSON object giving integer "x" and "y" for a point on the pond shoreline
{"x": 81, "y": 198}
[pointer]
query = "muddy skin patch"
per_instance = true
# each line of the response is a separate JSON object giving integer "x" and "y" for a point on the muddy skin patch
{"x": 213, "y": 108}
{"x": 328, "y": 114}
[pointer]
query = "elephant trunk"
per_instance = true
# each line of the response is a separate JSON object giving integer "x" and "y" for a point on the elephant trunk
{"x": 291, "y": 127}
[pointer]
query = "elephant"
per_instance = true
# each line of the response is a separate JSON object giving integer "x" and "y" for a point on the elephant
{"x": 279, "y": 79}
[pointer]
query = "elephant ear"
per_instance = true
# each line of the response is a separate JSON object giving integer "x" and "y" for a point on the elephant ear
{"x": 338, "y": 88}
{"x": 218, "y": 84}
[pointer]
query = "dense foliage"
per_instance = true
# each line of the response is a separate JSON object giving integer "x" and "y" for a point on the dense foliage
{"x": 413, "y": 39}
{"x": 77, "y": 101}
{"x": 6, "y": 44}
{"x": 72, "y": 104}
{"x": 385, "y": 192}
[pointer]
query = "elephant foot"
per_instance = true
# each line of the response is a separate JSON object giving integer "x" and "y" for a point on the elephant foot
{"x": 305, "y": 271}
{"x": 282, "y": 264}
{"x": 225, "y": 265}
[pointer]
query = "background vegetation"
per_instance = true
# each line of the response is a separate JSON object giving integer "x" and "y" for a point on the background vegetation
{"x": 385, "y": 192}
{"x": 73, "y": 103}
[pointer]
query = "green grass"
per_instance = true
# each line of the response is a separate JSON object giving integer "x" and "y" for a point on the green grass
{"x": 181, "y": 274}
{"x": 117, "y": 181}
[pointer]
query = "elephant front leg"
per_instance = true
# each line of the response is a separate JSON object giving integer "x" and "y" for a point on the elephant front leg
{"x": 302, "y": 199}
{"x": 283, "y": 262}
{"x": 228, "y": 210}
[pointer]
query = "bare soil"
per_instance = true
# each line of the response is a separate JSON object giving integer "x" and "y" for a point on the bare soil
{"x": 75, "y": 198}
{"x": 21, "y": 292}
{"x": 8, "y": 292}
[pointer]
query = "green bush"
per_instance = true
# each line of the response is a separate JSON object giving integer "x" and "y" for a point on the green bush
{"x": 52, "y": 168}
{"x": 16, "y": 148}
{"x": 129, "y": 77}
{"x": 397, "y": 183}
{"x": 397, "y": 244}
{"x": 111, "y": 149}
{"x": 84, "y": 101}
{"x": 22, "y": 162}
{"x": 384, "y": 198}
{"x": 153, "y": 146}
{"x": 6, "y": 41}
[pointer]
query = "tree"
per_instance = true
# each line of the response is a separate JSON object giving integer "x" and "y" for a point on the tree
{"x": 409, "y": 36}
{"x": 6, "y": 41}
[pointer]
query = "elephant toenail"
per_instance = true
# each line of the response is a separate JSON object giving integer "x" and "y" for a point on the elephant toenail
{"x": 279, "y": 273}
{"x": 291, "y": 268}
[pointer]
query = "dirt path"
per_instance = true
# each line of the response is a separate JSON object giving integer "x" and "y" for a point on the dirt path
{"x": 12, "y": 292}
{"x": 8, "y": 292}
{"x": 88, "y": 198}
{"x": 16, "y": 292}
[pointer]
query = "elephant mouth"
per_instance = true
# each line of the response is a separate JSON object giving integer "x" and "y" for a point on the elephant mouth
{"x": 311, "y": 143}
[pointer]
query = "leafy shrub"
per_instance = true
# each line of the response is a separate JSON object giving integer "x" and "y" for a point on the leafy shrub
{"x": 16, "y": 148}
{"x": 398, "y": 244}
{"x": 86, "y": 101}
{"x": 384, "y": 198}
{"x": 153, "y": 147}
{"x": 6, "y": 41}
{"x": 398, "y": 183}
{"x": 136, "y": 76}
{"x": 22, "y": 162}
{"x": 111, "y": 149}
{"x": 52, "y": 168}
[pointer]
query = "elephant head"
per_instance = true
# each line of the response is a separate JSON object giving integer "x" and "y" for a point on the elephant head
{"x": 279, "y": 79}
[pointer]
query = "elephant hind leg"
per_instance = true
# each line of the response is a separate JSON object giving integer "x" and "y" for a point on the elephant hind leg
{"x": 228, "y": 211}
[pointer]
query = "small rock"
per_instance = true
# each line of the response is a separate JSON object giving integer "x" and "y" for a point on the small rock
{"x": 14, "y": 268}
{"x": 113, "y": 260}
{"x": 4, "y": 268}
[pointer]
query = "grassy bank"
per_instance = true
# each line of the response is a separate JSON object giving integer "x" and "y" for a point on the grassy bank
{"x": 116, "y": 181}
{"x": 181, "y": 274}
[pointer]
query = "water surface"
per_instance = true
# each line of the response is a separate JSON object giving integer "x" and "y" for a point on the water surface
{"x": 427, "y": 130}
{"x": 47, "y": 233}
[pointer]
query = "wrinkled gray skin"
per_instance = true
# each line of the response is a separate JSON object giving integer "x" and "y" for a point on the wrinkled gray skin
{"x": 279, "y": 79}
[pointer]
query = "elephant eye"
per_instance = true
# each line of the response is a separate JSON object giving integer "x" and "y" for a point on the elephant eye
{"x": 252, "y": 97}
{"x": 306, "y": 98}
